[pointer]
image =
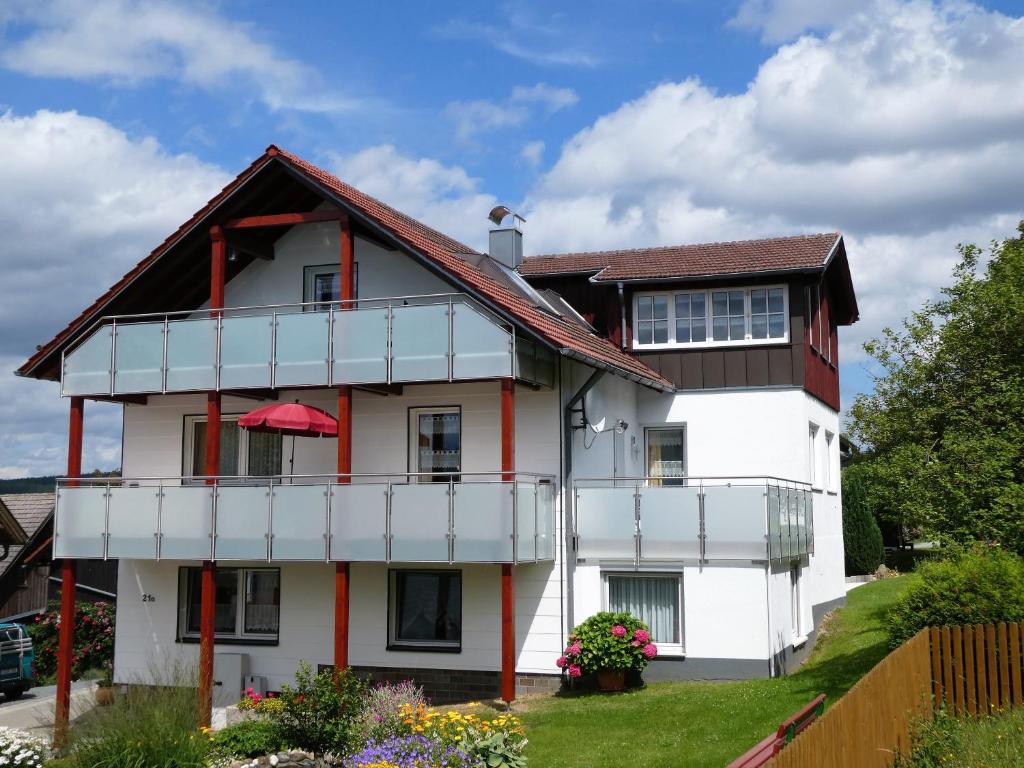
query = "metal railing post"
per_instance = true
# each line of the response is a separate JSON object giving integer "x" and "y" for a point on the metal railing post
{"x": 451, "y": 342}
{"x": 451, "y": 520}
{"x": 637, "y": 532}
{"x": 163, "y": 362}
{"x": 106, "y": 520}
{"x": 389, "y": 357}
{"x": 214, "y": 494}
{"x": 387, "y": 522}
{"x": 273, "y": 351}
{"x": 217, "y": 351}
{"x": 113, "y": 354}
{"x": 327, "y": 522}
{"x": 536, "y": 520}
{"x": 159, "y": 520}
{"x": 270, "y": 522}
{"x": 515, "y": 521}
{"x": 702, "y": 536}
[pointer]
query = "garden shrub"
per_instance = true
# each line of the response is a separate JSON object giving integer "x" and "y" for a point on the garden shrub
{"x": 862, "y": 538}
{"x": 409, "y": 751}
{"x": 978, "y": 585}
{"x": 612, "y": 641}
{"x": 498, "y": 742}
{"x": 21, "y": 750}
{"x": 320, "y": 713}
{"x": 263, "y": 705}
{"x": 249, "y": 738}
{"x": 382, "y": 718}
{"x": 94, "y": 638}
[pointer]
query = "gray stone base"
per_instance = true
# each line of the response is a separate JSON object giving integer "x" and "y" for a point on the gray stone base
{"x": 818, "y": 611}
{"x": 527, "y": 684}
{"x": 667, "y": 669}
{"x": 442, "y": 686}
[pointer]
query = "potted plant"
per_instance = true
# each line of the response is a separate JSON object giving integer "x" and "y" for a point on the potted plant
{"x": 105, "y": 687}
{"x": 608, "y": 645}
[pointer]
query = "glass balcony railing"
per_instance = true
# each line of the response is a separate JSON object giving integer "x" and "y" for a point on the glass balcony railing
{"x": 408, "y": 339}
{"x": 466, "y": 518}
{"x": 704, "y": 519}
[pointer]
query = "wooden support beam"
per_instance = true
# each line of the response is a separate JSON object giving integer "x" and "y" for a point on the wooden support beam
{"x": 252, "y": 394}
{"x": 285, "y": 219}
{"x": 250, "y": 245}
{"x": 508, "y": 599}
{"x": 380, "y": 389}
{"x": 341, "y": 601}
{"x": 218, "y": 263}
{"x": 346, "y": 289}
{"x": 123, "y": 399}
{"x": 207, "y": 617}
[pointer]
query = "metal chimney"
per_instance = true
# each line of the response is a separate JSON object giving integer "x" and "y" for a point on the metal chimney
{"x": 505, "y": 244}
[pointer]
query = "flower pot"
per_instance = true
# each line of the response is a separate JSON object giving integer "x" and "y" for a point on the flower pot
{"x": 611, "y": 680}
{"x": 104, "y": 695}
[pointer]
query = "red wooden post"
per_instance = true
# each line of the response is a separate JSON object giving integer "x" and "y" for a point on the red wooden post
{"x": 508, "y": 597}
{"x": 208, "y": 587}
{"x": 66, "y": 637}
{"x": 347, "y": 292}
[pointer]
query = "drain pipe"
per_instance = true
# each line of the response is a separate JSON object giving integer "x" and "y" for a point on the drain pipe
{"x": 568, "y": 492}
{"x": 622, "y": 315}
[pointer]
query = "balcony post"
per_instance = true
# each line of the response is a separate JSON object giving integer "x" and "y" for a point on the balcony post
{"x": 508, "y": 613}
{"x": 208, "y": 591}
{"x": 347, "y": 292}
{"x": 66, "y": 638}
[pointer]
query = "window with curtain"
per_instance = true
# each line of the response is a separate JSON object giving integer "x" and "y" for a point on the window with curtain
{"x": 666, "y": 456}
{"x": 229, "y": 439}
{"x": 247, "y": 603}
{"x": 241, "y": 452}
{"x": 437, "y": 442}
{"x": 323, "y": 284}
{"x": 425, "y": 609}
{"x": 655, "y": 599}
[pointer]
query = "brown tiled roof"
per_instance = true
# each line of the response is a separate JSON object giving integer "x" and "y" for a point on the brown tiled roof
{"x": 776, "y": 254}
{"x": 31, "y": 510}
{"x": 570, "y": 338}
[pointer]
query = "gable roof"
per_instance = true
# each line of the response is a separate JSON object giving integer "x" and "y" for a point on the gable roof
{"x": 31, "y": 510}
{"x": 434, "y": 247}
{"x": 739, "y": 257}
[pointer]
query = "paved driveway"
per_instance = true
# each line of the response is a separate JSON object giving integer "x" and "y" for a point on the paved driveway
{"x": 34, "y": 711}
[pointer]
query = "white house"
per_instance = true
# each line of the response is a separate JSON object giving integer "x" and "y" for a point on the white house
{"x": 522, "y": 443}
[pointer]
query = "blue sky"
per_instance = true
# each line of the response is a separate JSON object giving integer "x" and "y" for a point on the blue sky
{"x": 609, "y": 124}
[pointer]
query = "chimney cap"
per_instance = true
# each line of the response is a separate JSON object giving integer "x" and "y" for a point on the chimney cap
{"x": 499, "y": 212}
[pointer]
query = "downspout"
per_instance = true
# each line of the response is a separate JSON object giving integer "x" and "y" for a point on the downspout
{"x": 622, "y": 315}
{"x": 568, "y": 494}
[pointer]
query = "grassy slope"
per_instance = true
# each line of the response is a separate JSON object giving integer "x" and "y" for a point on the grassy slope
{"x": 989, "y": 742}
{"x": 707, "y": 724}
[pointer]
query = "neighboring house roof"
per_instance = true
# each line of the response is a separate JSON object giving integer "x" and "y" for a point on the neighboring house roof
{"x": 774, "y": 254}
{"x": 31, "y": 510}
{"x": 451, "y": 256}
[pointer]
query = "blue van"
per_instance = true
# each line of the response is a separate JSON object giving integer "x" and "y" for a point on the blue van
{"x": 17, "y": 660}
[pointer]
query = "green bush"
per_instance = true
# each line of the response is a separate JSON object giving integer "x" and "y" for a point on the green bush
{"x": 862, "y": 538}
{"x": 249, "y": 738}
{"x": 608, "y": 641}
{"x": 978, "y": 585}
{"x": 321, "y": 714}
{"x": 94, "y": 638}
{"x": 150, "y": 726}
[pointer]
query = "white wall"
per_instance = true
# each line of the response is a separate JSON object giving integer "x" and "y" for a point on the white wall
{"x": 827, "y": 562}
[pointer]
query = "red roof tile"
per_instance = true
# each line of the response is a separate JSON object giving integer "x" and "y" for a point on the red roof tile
{"x": 568, "y": 337}
{"x": 777, "y": 254}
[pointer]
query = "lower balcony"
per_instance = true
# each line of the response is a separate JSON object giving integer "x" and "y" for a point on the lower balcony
{"x": 650, "y": 520}
{"x": 414, "y": 518}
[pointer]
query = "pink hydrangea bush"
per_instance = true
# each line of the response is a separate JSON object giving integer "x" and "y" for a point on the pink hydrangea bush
{"x": 607, "y": 641}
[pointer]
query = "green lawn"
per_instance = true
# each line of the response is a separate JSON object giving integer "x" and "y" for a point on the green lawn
{"x": 707, "y": 724}
{"x": 989, "y": 742}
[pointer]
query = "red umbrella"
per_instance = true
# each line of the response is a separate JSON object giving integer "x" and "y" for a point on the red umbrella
{"x": 292, "y": 419}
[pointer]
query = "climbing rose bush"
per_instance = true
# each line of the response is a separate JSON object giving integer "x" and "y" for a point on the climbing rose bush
{"x": 21, "y": 750}
{"x": 94, "y": 638}
{"x": 612, "y": 641}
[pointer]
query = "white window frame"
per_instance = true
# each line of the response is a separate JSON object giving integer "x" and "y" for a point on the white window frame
{"x": 188, "y": 448}
{"x": 664, "y": 649}
{"x": 239, "y": 635}
{"x": 441, "y": 646}
{"x": 796, "y": 605}
{"x": 829, "y": 481}
{"x": 414, "y": 430}
{"x": 310, "y": 272}
{"x": 647, "y": 444}
{"x": 812, "y": 455}
{"x": 746, "y": 341}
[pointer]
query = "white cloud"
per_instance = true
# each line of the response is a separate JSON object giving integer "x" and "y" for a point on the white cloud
{"x": 126, "y": 42}
{"x": 542, "y": 42}
{"x": 445, "y": 197}
{"x": 80, "y": 202}
{"x": 482, "y": 115}
{"x": 780, "y": 20}
{"x": 900, "y": 127}
{"x": 532, "y": 152}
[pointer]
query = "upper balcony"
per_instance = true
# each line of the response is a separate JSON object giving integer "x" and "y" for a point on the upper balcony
{"x": 651, "y": 520}
{"x": 496, "y": 517}
{"x": 436, "y": 338}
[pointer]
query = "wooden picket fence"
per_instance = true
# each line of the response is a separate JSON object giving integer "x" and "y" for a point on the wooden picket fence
{"x": 970, "y": 670}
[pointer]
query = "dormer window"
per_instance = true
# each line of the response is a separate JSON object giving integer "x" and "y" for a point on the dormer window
{"x": 711, "y": 318}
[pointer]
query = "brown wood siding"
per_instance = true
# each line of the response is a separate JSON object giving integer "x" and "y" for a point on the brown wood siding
{"x": 25, "y": 592}
{"x": 821, "y": 363}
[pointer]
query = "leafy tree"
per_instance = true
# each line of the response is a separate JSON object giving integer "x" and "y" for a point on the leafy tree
{"x": 946, "y": 419}
{"x": 862, "y": 538}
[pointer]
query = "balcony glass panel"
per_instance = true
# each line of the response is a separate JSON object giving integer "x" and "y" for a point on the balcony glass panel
{"x": 735, "y": 523}
{"x": 527, "y": 498}
{"x": 545, "y": 521}
{"x": 245, "y": 351}
{"x": 419, "y": 523}
{"x": 774, "y": 523}
{"x": 80, "y": 522}
{"x": 359, "y": 522}
{"x": 242, "y": 522}
{"x": 481, "y": 348}
{"x": 360, "y": 346}
{"x": 191, "y": 354}
{"x": 299, "y": 524}
{"x": 132, "y": 522}
{"x": 139, "y": 357}
{"x": 669, "y": 523}
{"x": 605, "y": 522}
{"x": 87, "y": 367}
{"x": 186, "y": 519}
{"x": 301, "y": 349}
{"x": 800, "y": 542}
{"x": 482, "y": 518}
{"x": 809, "y": 504}
{"x": 788, "y": 500}
{"x": 419, "y": 342}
